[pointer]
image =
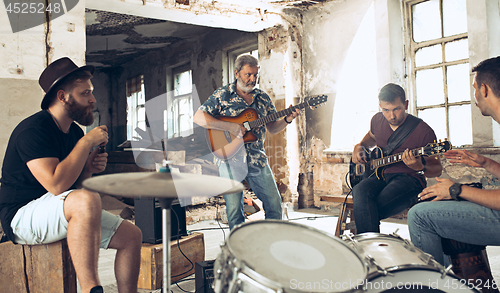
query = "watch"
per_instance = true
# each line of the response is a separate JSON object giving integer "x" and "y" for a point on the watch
{"x": 421, "y": 172}
{"x": 455, "y": 191}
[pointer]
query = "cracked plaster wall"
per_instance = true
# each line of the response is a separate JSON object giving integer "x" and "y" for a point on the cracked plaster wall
{"x": 328, "y": 34}
{"x": 203, "y": 54}
{"x": 280, "y": 52}
{"x": 331, "y": 32}
{"x": 24, "y": 55}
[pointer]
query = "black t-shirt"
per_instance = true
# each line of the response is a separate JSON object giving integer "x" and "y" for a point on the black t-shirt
{"x": 35, "y": 137}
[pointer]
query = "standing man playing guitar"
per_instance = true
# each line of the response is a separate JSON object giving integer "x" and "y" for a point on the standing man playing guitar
{"x": 387, "y": 193}
{"x": 249, "y": 163}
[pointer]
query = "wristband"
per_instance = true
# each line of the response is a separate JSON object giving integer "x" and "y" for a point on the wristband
{"x": 421, "y": 172}
{"x": 287, "y": 121}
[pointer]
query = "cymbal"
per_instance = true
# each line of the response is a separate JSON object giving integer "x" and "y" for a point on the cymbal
{"x": 162, "y": 185}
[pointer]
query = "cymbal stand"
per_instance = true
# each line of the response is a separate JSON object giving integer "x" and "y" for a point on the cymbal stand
{"x": 166, "y": 204}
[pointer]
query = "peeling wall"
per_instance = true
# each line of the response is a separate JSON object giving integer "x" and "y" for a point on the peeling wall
{"x": 25, "y": 54}
{"x": 203, "y": 54}
{"x": 281, "y": 77}
{"x": 330, "y": 35}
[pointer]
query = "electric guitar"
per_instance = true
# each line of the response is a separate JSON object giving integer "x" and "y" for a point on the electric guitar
{"x": 376, "y": 161}
{"x": 224, "y": 145}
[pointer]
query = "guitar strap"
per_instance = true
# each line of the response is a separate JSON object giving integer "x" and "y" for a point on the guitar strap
{"x": 401, "y": 134}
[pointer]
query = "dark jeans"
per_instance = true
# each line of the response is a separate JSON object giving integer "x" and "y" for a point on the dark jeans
{"x": 376, "y": 199}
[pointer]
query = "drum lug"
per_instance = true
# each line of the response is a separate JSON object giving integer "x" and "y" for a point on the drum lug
{"x": 354, "y": 242}
{"x": 234, "y": 287}
{"x": 408, "y": 245}
{"x": 447, "y": 271}
{"x": 427, "y": 258}
{"x": 380, "y": 269}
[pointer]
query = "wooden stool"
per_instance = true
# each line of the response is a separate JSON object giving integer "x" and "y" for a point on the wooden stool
{"x": 36, "y": 268}
{"x": 346, "y": 211}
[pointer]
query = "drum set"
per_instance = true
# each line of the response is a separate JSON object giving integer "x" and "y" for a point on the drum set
{"x": 277, "y": 256}
{"x": 272, "y": 256}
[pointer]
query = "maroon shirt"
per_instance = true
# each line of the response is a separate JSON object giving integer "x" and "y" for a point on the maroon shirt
{"x": 421, "y": 136}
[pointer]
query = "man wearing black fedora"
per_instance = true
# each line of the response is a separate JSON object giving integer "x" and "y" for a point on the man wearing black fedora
{"x": 47, "y": 158}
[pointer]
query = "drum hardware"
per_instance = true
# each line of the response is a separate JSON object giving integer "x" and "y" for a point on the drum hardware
{"x": 354, "y": 242}
{"x": 406, "y": 264}
{"x": 379, "y": 268}
{"x": 426, "y": 258}
{"x": 166, "y": 186}
{"x": 448, "y": 270}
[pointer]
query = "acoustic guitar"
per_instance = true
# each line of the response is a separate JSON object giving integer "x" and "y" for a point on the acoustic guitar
{"x": 224, "y": 145}
{"x": 376, "y": 162}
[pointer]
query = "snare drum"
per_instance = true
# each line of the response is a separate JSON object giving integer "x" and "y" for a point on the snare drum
{"x": 395, "y": 264}
{"x": 277, "y": 256}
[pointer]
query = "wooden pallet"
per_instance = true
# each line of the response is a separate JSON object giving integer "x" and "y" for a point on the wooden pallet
{"x": 151, "y": 272}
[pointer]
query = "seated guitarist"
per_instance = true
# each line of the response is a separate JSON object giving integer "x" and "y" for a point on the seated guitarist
{"x": 376, "y": 198}
{"x": 250, "y": 163}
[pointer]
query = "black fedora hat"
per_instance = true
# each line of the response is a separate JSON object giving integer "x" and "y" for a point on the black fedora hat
{"x": 54, "y": 73}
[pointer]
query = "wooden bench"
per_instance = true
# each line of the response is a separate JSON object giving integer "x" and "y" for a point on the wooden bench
{"x": 346, "y": 211}
{"x": 37, "y": 268}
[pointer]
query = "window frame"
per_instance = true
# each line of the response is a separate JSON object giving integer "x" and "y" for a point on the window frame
{"x": 135, "y": 107}
{"x": 175, "y": 101}
{"x": 411, "y": 47}
{"x": 231, "y": 56}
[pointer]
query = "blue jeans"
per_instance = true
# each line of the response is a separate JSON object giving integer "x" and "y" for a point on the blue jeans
{"x": 375, "y": 199}
{"x": 262, "y": 182}
{"x": 462, "y": 221}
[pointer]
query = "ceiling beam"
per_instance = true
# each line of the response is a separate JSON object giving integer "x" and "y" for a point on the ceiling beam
{"x": 230, "y": 14}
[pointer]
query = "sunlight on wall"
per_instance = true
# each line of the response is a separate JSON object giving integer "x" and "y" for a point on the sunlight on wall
{"x": 291, "y": 132}
{"x": 356, "y": 101}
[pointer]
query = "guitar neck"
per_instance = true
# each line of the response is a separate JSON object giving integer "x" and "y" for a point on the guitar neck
{"x": 277, "y": 115}
{"x": 395, "y": 158}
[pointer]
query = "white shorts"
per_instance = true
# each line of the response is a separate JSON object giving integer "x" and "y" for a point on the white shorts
{"x": 42, "y": 221}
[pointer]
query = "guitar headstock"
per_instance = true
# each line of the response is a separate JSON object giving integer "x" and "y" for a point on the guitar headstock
{"x": 435, "y": 148}
{"x": 317, "y": 100}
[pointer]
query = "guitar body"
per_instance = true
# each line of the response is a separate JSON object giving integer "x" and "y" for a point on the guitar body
{"x": 376, "y": 162}
{"x": 358, "y": 172}
{"x": 223, "y": 144}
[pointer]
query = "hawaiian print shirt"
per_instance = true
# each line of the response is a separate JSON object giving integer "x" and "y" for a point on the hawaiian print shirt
{"x": 226, "y": 102}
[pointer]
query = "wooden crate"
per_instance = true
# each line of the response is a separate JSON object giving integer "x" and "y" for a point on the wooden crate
{"x": 36, "y": 268}
{"x": 151, "y": 272}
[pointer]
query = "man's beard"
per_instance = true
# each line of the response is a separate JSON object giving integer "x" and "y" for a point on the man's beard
{"x": 81, "y": 114}
{"x": 246, "y": 87}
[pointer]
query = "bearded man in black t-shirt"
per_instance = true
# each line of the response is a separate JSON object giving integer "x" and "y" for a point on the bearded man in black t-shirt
{"x": 47, "y": 158}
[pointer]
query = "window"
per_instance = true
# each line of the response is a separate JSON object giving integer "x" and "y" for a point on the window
{"x": 233, "y": 55}
{"x": 180, "y": 111}
{"x": 439, "y": 67}
{"x": 136, "y": 112}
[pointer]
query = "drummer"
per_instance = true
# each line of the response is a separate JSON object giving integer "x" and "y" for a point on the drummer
{"x": 47, "y": 158}
{"x": 250, "y": 163}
